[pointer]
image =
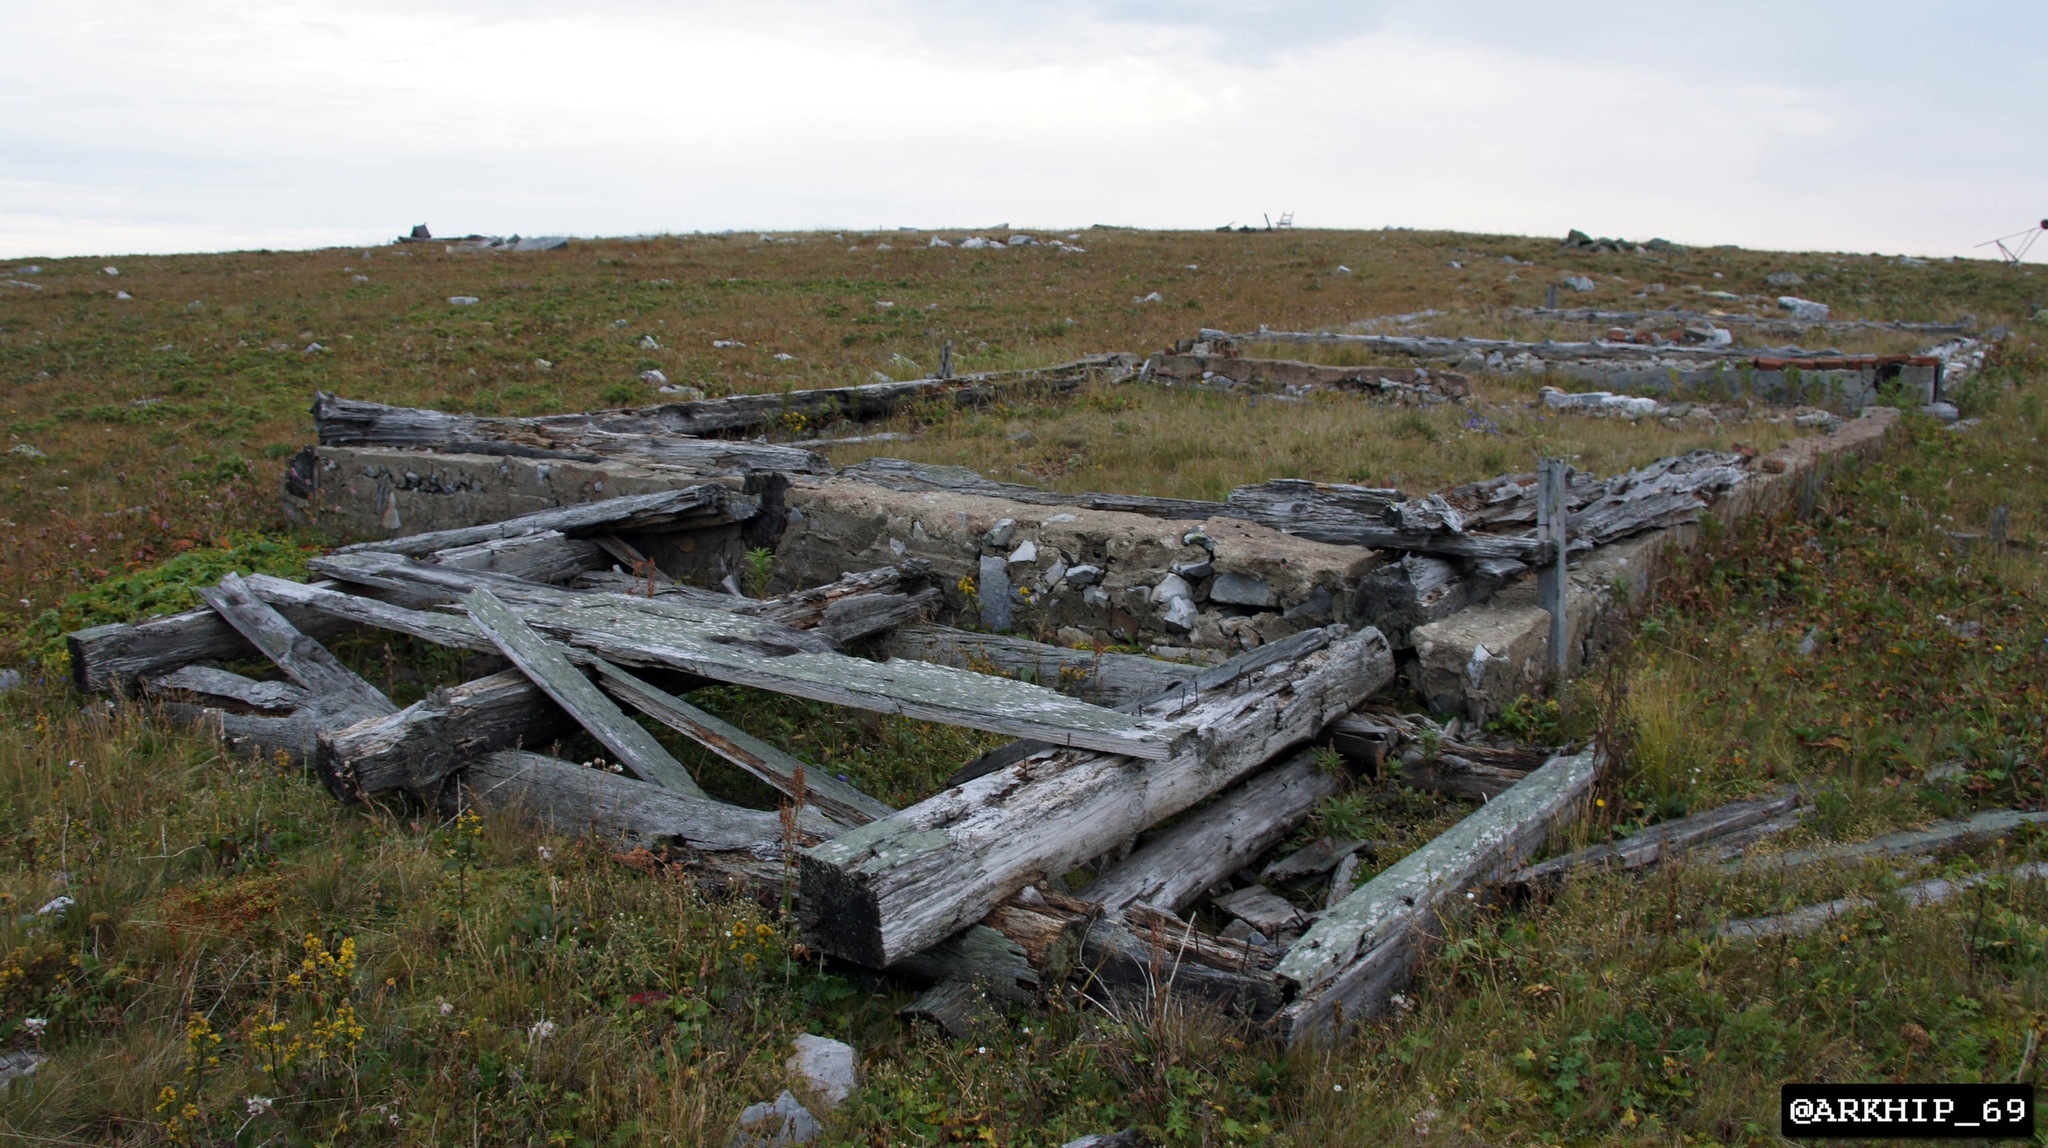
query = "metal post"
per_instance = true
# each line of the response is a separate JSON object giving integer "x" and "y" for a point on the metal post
{"x": 1551, "y": 583}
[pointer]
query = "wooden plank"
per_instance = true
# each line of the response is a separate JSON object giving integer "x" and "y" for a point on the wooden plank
{"x": 114, "y": 657}
{"x": 1181, "y": 862}
{"x": 1103, "y": 678}
{"x": 1417, "y": 589}
{"x": 788, "y": 775}
{"x": 1813, "y": 918}
{"x": 1360, "y": 950}
{"x": 303, "y": 659}
{"x": 1941, "y": 835}
{"x": 548, "y": 556}
{"x": 550, "y": 670}
{"x": 705, "y": 504}
{"x": 744, "y": 849}
{"x": 1651, "y": 845}
{"x": 1147, "y": 954}
{"x": 1455, "y": 776}
{"x": 207, "y": 681}
{"x": 417, "y": 747}
{"x": 1358, "y": 516}
{"x": 900, "y": 884}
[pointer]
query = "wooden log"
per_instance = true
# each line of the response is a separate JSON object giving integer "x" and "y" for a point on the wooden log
{"x": 415, "y": 748}
{"x": 345, "y": 422}
{"x": 706, "y": 504}
{"x": 549, "y": 669}
{"x": 1179, "y": 863}
{"x": 1154, "y": 955}
{"x": 1048, "y": 926}
{"x": 1813, "y": 918}
{"x": 1985, "y": 826}
{"x": 975, "y": 974}
{"x": 904, "y": 475}
{"x": 1364, "y": 741}
{"x": 794, "y": 779}
{"x": 1288, "y": 649}
{"x": 1261, "y": 908}
{"x": 1449, "y": 774}
{"x": 1651, "y": 845}
{"x": 303, "y": 659}
{"x": 207, "y": 681}
{"x": 295, "y": 736}
{"x": 1339, "y": 514}
{"x": 724, "y": 844}
{"x": 1105, "y": 679}
{"x": 899, "y": 884}
{"x": 115, "y": 656}
{"x": 1343, "y": 969}
{"x": 548, "y": 556}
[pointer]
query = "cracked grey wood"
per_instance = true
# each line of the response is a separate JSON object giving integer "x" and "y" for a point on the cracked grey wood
{"x": 549, "y": 556}
{"x": 417, "y": 747}
{"x": 1172, "y": 869}
{"x": 1103, "y": 678}
{"x": 838, "y": 800}
{"x": 209, "y": 681}
{"x": 730, "y": 846}
{"x": 303, "y": 659}
{"x": 1346, "y": 965}
{"x": 1651, "y": 845}
{"x": 1455, "y": 776}
{"x": 1904, "y": 843}
{"x": 550, "y": 669}
{"x": 1417, "y": 589}
{"x": 901, "y": 883}
{"x": 1919, "y": 894}
{"x": 1148, "y": 954}
{"x": 705, "y": 504}
{"x": 115, "y": 656}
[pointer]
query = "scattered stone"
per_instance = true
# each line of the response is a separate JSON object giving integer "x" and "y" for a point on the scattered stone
{"x": 110, "y": 271}
{"x": 1580, "y": 283}
{"x": 1095, "y": 598}
{"x": 543, "y": 365}
{"x": 1965, "y": 424}
{"x": 123, "y": 295}
{"x": 1023, "y": 241}
{"x": 462, "y": 300}
{"x": 973, "y": 243}
{"x": 9, "y": 679}
{"x": 1026, "y": 551}
{"x": 1240, "y": 590}
{"x": 937, "y": 242}
{"x": 1810, "y": 644}
{"x": 786, "y": 1121}
{"x": 1195, "y": 571}
{"x": 1052, "y": 577}
{"x": 880, "y": 377}
{"x": 542, "y": 243}
{"x": 1154, "y": 297}
{"x": 55, "y": 906}
{"x": 649, "y": 343}
{"x": 784, "y": 357}
{"x": 1946, "y": 412}
{"x": 999, "y": 535}
{"x": 18, "y": 1063}
{"x": 827, "y": 1067}
{"x": 1343, "y": 270}
{"x": 715, "y": 343}
{"x": 654, "y": 376}
{"x": 1084, "y": 575}
{"x": 1784, "y": 279}
{"x": 1128, "y": 1138}
{"x": 26, "y": 451}
{"x": 1179, "y": 615}
{"x": 359, "y": 278}
{"x": 681, "y": 393}
{"x": 1803, "y": 308}
{"x": 1172, "y": 586}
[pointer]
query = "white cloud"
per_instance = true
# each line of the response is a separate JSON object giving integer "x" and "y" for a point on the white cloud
{"x": 194, "y": 124}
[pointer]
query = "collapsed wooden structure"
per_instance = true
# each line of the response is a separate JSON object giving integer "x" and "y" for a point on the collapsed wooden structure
{"x": 1161, "y": 780}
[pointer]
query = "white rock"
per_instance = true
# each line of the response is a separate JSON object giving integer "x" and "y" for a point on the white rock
{"x": 784, "y": 357}
{"x": 654, "y": 376}
{"x": 973, "y": 242}
{"x": 1026, "y": 551}
{"x": 1154, "y": 297}
{"x": 110, "y": 270}
{"x": 1023, "y": 241}
{"x": 1241, "y": 590}
{"x": 727, "y": 343}
{"x": 1946, "y": 412}
{"x": 1000, "y": 534}
{"x": 827, "y": 1068}
{"x": 462, "y": 300}
{"x": 686, "y": 394}
{"x": 1052, "y": 576}
{"x": 1579, "y": 282}
{"x": 1095, "y": 598}
{"x": 123, "y": 295}
{"x": 26, "y": 451}
{"x": 1084, "y": 575}
{"x": 937, "y": 242}
{"x": 1343, "y": 270}
{"x": 543, "y": 365}
{"x": 55, "y": 905}
{"x": 786, "y": 1121}
{"x": 1179, "y": 615}
{"x": 359, "y": 278}
{"x": 1803, "y": 308}
{"x": 1172, "y": 586}
{"x": 649, "y": 343}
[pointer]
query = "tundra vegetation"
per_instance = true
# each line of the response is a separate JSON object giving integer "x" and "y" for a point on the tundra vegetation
{"x": 244, "y": 960}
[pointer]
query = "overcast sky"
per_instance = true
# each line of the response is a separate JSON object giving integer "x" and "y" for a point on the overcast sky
{"x": 183, "y": 125}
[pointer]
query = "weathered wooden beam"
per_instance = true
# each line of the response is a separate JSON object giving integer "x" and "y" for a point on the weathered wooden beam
{"x": 1103, "y": 678}
{"x": 723, "y": 844}
{"x": 1343, "y": 969}
{"x": 303, "y": 659}
{"x": 345, "y": 422}
{"x": 1153, "y": 955}
{"x": 900, "y": 884}
{"x": 1417, "y": 589}
{"x": 1905, "y": 843}
{"x": 549, "y": 556}
{"x": 415, "y": 748}
{"x": 904, "y": 475}
{"x": 1360, "y": 516}
{"x": 788, "y": 775}
{"x": 207, "y": 681}
{"x": 705, "y": 504}
{"x": 1455, "y": 776}
{"x": 974, "y": 975}
{"x": 550, "y": 669}
{"x": 1649, "y": 846}
{"x": 1919, "y": 894}
{"x": 115, "y": 656}
{"x": 1182, "y": 861}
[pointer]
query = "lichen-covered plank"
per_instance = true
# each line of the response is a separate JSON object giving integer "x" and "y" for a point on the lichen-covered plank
{"x": 704, "y": 504}
{"x": 303, "y": 659}
{"x": 551, "y": 671}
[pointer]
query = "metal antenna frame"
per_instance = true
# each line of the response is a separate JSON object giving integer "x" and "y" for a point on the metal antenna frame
{"x": 2013, "y": 248}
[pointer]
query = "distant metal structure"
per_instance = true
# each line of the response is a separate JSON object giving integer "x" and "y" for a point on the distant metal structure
{"x": 2013, "y": 248}
{"x": 1287, "y": 220}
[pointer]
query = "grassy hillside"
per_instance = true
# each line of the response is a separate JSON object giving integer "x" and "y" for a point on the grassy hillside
{"x": 249, "y": 962}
